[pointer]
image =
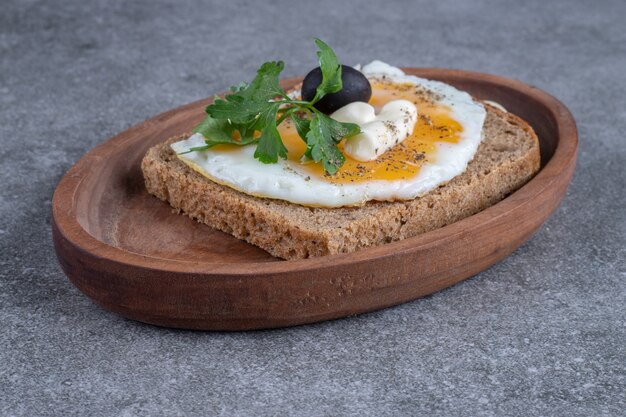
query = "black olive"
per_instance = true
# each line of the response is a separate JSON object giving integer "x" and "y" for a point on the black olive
{"x": 356, "y": 87}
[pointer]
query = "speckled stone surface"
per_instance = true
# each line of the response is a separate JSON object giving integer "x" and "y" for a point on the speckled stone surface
{"x": 542, "y": 333}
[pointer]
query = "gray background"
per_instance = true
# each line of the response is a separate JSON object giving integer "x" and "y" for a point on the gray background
{"x": 541, "y": 333}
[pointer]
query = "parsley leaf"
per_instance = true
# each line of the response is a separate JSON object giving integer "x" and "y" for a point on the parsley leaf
{"x": 302, "y": 126}
{"x": 248, "y": 115}
{"x": 331, "y": 71}
{"x": 339, "y": 130}
{"x": 218, "y": 132}
{"x": 215, "y": 131}
{"x": 270, "y": 144}
{"x": 322, "y": 139}
{"x": 213, "y": 128}
{"x": 247, "y": 101}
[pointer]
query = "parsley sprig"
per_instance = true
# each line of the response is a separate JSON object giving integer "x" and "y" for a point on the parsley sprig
{"x": 251, "y": 112}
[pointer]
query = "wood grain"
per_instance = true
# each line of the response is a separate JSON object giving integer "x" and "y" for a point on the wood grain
{"x": 132, "y": 255}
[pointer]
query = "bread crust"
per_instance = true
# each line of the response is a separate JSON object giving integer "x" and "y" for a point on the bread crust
{"x": 507, "y": 158}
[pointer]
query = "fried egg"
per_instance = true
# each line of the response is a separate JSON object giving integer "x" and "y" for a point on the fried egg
{"x": 443, "y": 141}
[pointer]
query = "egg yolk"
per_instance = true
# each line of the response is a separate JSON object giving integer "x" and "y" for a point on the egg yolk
{"x": 403, "y": 161}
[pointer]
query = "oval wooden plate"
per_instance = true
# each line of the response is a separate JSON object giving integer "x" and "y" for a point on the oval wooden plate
{"x": 131, "y": 254}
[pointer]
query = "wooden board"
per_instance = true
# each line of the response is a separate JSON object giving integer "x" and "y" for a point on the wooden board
{"x": 132, "y": 255}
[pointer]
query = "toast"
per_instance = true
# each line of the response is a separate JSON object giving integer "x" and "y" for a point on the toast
{"x": 507, "y": 158}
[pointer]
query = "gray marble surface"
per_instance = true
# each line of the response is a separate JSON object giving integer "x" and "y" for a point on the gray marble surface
{"x": 542, "y": 333}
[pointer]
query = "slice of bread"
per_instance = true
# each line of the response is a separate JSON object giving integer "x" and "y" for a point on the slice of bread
{"x": 507, "y": 158}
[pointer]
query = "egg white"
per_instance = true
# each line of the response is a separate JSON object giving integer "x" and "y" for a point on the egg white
{"x": 286, "y": 180}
